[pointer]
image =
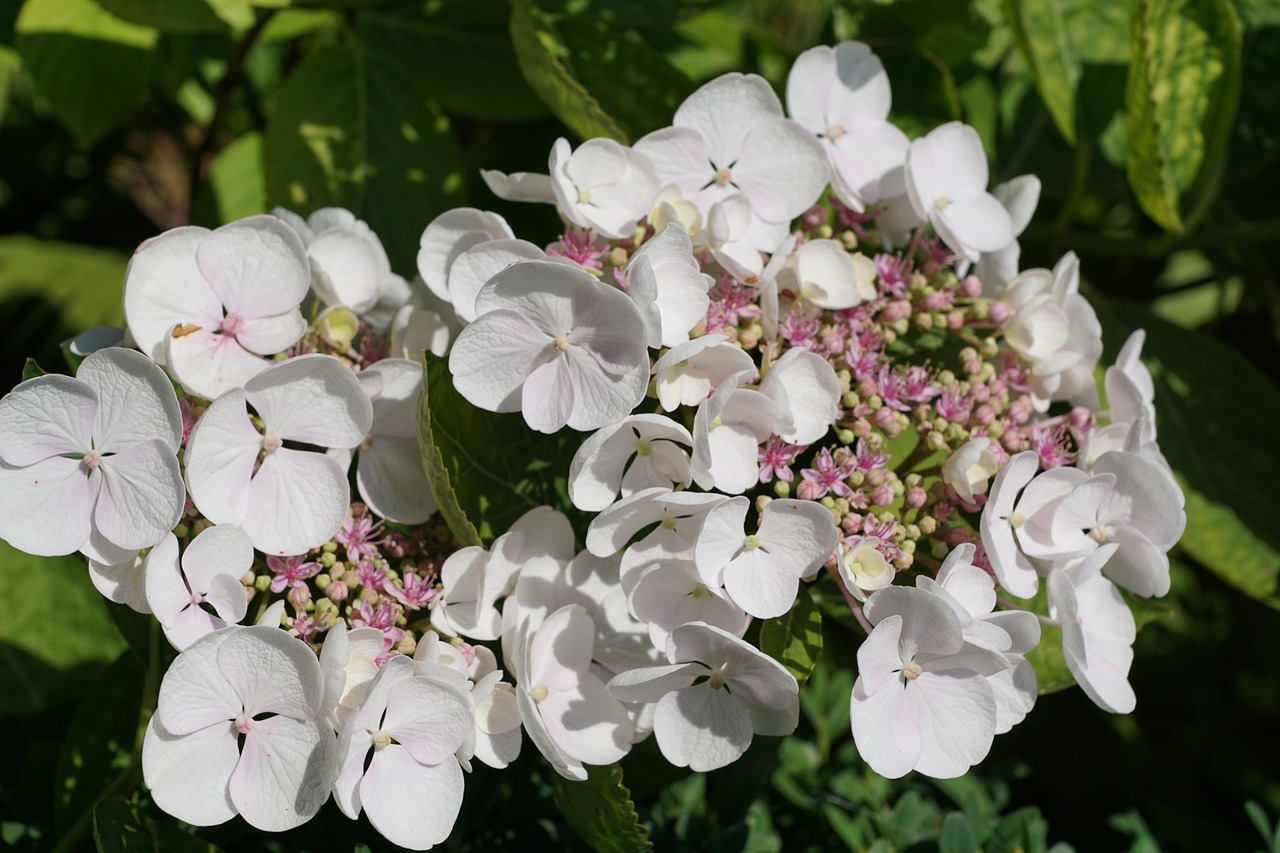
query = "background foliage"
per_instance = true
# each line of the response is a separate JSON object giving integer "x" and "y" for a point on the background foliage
{"x": 1152, "y": 126}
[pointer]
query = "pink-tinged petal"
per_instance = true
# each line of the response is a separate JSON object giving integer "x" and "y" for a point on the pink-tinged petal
{"x": 164, "y": 288}
{"x": 565, "y": 765}
{"x": 285, "y": 772}
{"x": 725, "y": 110}
{"x": 863, "y": 89}
{"x": 223, "y": 549}
{"x": 586, "y": 723}
{"x": 1146, "y": 498}
{"x": 314, "y": 399}
{"x": 1012, "y": 569}
{"x": 608, "y": 326}
{"x": 867, "y": 162}
{"x": 492, "y": 357}
{"x": 804, "y": 386}
{"x": 519, "y": 186}
{"x": 1023, "y": 629}
{"x": 142, "y": 495}
{"x": 721, "y": 539}
{"x": 973, "y": 224}
{"x": 257, "y": 266}
{"x": 947, "y": 163}
{"x": 189, "y": 775}
{"x": 166, "y": 592}
{"x": 649, "y": 684}
{"x": 46, "y": 416}
{"x": 885, "y": 729}
{"x": 701, "y": 728}
{"x": 272, "y": 672}
{"x": 297, "y": 501}
{"x": 99, "y": 550}
{"x": 548, "y": 395}
{"x": 430, "y": 719}
{"x": 137, "y": 402}
{"x": 123, "y": 583}
{"x": 221, "y": 453}
{"x": 781, "y": 188}
{"x": 187, "y": 626}
{"x": 1138, "y": 565}
{"x": 879, "y": 656}
{"x": 194, "y": 694}
{"x": 540, "y": 291}
{"x": 207, "y": 364}
{"x": 391, "y": 480}
{"x": 45, "y": 508}
{"x": 227, "y": 597}
{"x": 601, "y": 399}
{"x": 272, "y": 334}
{"x": 473, "y": 268}
{"x": 452, "y": 233}
{"x": 956, "y": 711}
{"x": 354, "y": 746}
{"x": 1015, "y": 692}
{"x": 413, "y": 805}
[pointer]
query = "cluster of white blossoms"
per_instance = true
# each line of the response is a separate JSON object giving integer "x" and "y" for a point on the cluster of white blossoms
{"x": 736, "y": 298}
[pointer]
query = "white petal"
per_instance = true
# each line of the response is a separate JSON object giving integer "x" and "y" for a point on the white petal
{"x": 781, "y": 188}
{"x": 194, "y": 693}
{"x": 805, "y": 388}
{"x": 885, "y": 729}
{"x": 349, "y": 265}
{"x": 392, "y": 482}
{"x": 272, "y": 334}
{"x": 272, "y": 672}
{"x": 472, "y": 269}
{"x": 452, "y": 233}
{"x": 314, "y": 399}
{"x": 142, "y": 495}
{"x": 956, "y": 711}
{"x": 413, "y": 805}
{"x": 218, "y": 550}
{"x": 701, "y": 728}
{"x": 123, "y": 583}
{"x": 137, "y": 402}
{"x": 297, "y": 501}
{"x": 221, "y": 453}
{"x": 725, "y": 110}
{"x": 189, "y": 775}
{"x": 47, "y": 416}
{"x": 429, "y": 719}
{"x": 163, "y": 288}
{"x": 257, "y": 266}
{"x": 45, "y": 508}
{"x": 208, "y": 365}
{"x": 492, "y": 357}
{"x": 285, "y": 772}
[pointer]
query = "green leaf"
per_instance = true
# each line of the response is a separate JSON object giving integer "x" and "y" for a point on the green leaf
{"x": 956, "y": 835}
{"x": 98, "y": 745}
{"x": 486, "y": 469}
{"x": 630, "y": 13}
{"x": 1180, "y": 102}
{"x": 358, "y": 127}
{"x": 30, "y": 370}
{"x": 1040, "y": 32}
{"x": 70, "y": 47}
{"x": 1219, "y": 460}
{"x": 179, "y": 16}
{"x": 237, "y": 185}
{"x": 119, "y": 827}
{"x": 601, "y": 811}
{"x": 42, "y": 659}
{"x": 795, "y": 638}
{"x": 598, "y": 79}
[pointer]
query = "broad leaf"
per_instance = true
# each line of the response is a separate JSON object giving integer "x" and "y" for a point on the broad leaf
{"x": 98, "y": 745}
{"x": 601, "y": 811}
{"x": 30, "y": 370}
{"x": 1040, "y": 32}
{"x": 182, "y": 16}
{"x": 358, "y": 127}
{"x": 486, "y": 469}
{"x": 1221, "y": 458}
{"x": 70, "y": 47}
{"x": 795, "y": 638}
{"x": 119, "y": 827}
{"x": 1180, "y": 102}
{"x": 236, "y": 186}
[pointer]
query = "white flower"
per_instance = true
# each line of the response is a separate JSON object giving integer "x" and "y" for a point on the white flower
{"x": 348, "y": 660}
{"x": 123, "y": 583}
{"x": 736, "y": 236}
{"x": 863, "y": 567}
{"x": 730, "y": 136}
{"x": 555, "y": 344}
{"x": 496, "y": 739}
{"x": 602, "y": 185}
{"x": 349, "y": 266}
{"x": 448, "y": 236}
{"x": 669, "y": 594}
{"x": 922, "y": 700}
{"x": 209, "y": 572}
{"x": 472, "y": 269}
{"x": 828, "y": 276}
{"x": 1002, "y": 519}
{"x": 668, "y": 287}
{"x": 239, "y": 729}
{"x": 716, "y": 694}
{"x": 90, "y": 463}
{"x": 295, "y": 500}
{"x": 396, "y": 755}
{"x": 1098, "y": 631}
{"x": 687, "y": 373}
{"x": 970, "y": 467}
{"x": 465, "y": 607}
{"x": 1019, "y": 196}
{"x": 727, "y": 430}
{"x": 210, "y": 304}
{"x": 946, "y": 175}
{"x": 806, "y": 391}
{"x": 389, "y": 471}
{"x": 842, "y": 95}
{"x": 639, "y": 453}
{"x": 762, "y": 571}
{"x": 564, "y": 706}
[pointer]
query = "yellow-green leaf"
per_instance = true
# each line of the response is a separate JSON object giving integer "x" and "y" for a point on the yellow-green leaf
{"x": 1040, "y": 31}
{"x": 795, "y": 638}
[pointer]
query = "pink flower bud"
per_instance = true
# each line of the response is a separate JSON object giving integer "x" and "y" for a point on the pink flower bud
{"x": 814, "y": 216}
{"x": 882, "y": 495}
{"x": 916, "y": 497}
{"x": 336, "y": 592}
{"x": 999, "y": 312}
{"x": 809, "y": 491}
{"x": 971, "y": 287}
{"x": 983, "y": 415}
{"x": 884, "y": 417}
{"x": 299, "y": 596}
{"x": 1081, "y": 419}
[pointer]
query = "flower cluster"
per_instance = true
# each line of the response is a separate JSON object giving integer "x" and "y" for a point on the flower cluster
{"x": 804, "y": 354}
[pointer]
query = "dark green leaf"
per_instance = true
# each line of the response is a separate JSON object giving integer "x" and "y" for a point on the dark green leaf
{"x": 30, "y": 370}
{"x": 70, "y": 47}
{"x": 119, "y": 827}
{"x": 485, "y": 469}
{"x": 1218, "y": 459}
{"x": 630, "y": 13}
{"x": 1040, "y": 32}
{"x": 1180, "y": 102}
{"x": 98, "y": 745}
{"x": 358, "y": 127}
{"x": 177, "y": 16}
{"x": 795, "y": 638}
{"x": 956, "y": 836}
{"x": 598, "y": 79}
{"x": 601, "y": 811}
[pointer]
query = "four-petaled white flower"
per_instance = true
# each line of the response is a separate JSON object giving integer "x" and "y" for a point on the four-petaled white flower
{"x": 90, "y": 463}
{"x": 239, "y": 729}
{"x": 208, "y": 572}
{"x": 555, "y": 344}
{"x": 641, "y": 452}
{"x": 687, "y": 373}
{"x": 448, "y": 236}
{"x": 287, "y": 500}
{"x": 668, "y": 287}
{"x": 210, "y": 304}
